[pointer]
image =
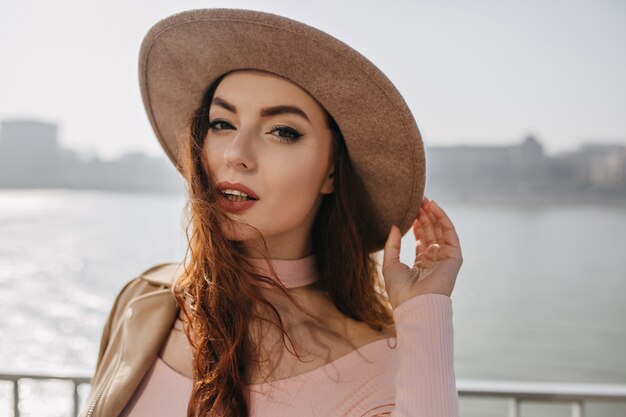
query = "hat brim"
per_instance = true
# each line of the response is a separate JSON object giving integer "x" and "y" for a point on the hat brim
{"x": 184, "y": 53}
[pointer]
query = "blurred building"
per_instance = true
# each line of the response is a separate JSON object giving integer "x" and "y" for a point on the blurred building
{"x": 524, "y": 171}
{"x": 464, "y": 170}
{"x": 28, "y": 149}
{"x": 30, "y": 157}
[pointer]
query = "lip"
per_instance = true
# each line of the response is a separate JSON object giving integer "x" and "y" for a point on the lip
{"x": 235, "y": 206}
{"x": 224, "y": 185}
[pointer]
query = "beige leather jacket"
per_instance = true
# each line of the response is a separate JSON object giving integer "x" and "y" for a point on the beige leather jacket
{"x": 139, "y": 322}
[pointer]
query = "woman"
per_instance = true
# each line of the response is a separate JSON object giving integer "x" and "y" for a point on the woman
{"x": 301, "y": 161}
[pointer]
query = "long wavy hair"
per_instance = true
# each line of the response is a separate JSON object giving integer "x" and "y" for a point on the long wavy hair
{"x": 216, "y": 291}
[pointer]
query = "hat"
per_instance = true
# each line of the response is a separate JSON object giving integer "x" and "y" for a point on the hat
{"x": 184, "y": 53}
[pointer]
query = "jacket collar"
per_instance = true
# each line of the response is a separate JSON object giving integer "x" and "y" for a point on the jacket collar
{"x": 164, "y": 273}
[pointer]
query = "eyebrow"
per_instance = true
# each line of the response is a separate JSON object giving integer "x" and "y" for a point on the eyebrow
{"x": 265, "y": 111}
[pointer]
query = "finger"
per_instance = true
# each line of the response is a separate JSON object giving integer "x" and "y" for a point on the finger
{"x": 431, "y": 216}
{"x": 449, "y": 232}
{"x": 427, "y": 227}
{"x": 436, "y": 225}
{"x": 416, "y": 222}
{"x": 420, "y": 245}
{"x": 432, "y": 252}
{"x": 423, "y": 262}
{"x": 415, "y": 227}
{"x": 391, "y": 251}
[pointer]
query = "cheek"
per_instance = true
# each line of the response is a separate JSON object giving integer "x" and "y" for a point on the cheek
{"x": 293, "y": 184}
{"x": 211, "y": 156}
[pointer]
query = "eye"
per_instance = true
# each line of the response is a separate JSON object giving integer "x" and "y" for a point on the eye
{"x": 286, "y": 133}
{"x": 219, "y": 124}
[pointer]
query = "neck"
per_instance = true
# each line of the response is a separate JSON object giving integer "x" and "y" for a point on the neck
{"x": 292, "y": 273}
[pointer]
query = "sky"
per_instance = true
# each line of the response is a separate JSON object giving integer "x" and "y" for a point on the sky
{"x": 472, "y": 72}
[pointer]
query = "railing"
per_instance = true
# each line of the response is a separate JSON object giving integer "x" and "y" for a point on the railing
{"x": 15, "y": 380}
{"x": 516, "y": 392}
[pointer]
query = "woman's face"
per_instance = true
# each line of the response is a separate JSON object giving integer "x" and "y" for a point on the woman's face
{"x": 270, "y": 135}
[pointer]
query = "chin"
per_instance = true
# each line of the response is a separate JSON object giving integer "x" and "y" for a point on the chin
{"x": 239, "y": 232}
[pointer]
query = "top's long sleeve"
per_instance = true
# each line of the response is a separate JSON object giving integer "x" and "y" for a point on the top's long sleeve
{"x": 425, "y": 379}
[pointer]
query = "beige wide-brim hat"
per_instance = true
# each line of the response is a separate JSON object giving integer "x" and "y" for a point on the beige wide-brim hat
{"x": 184, "y": 53}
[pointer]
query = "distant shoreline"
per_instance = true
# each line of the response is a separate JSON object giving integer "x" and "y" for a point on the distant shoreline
{"x": 528, "y": 200}
{"x": 476, "y": 198}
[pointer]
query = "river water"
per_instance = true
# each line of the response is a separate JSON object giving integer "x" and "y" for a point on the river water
{"x": 540, "y": 296}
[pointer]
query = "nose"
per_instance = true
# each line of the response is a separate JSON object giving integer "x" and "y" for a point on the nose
{"x": 239, "y": 154}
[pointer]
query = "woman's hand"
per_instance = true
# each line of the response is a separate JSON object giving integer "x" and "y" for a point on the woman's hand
{"x": 438, "y": 257}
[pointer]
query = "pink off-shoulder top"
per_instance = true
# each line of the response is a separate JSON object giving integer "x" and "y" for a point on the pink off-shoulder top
{"x": 408, "y": 375}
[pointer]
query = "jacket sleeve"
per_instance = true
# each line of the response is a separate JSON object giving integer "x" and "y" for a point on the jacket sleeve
{"x": 425, "y": 384}
{"x": 112, "y": 320}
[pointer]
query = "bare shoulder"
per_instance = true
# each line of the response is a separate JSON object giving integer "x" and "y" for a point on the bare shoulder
{"x": 347, "y": 331}
{"x": 361, "y": 333}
